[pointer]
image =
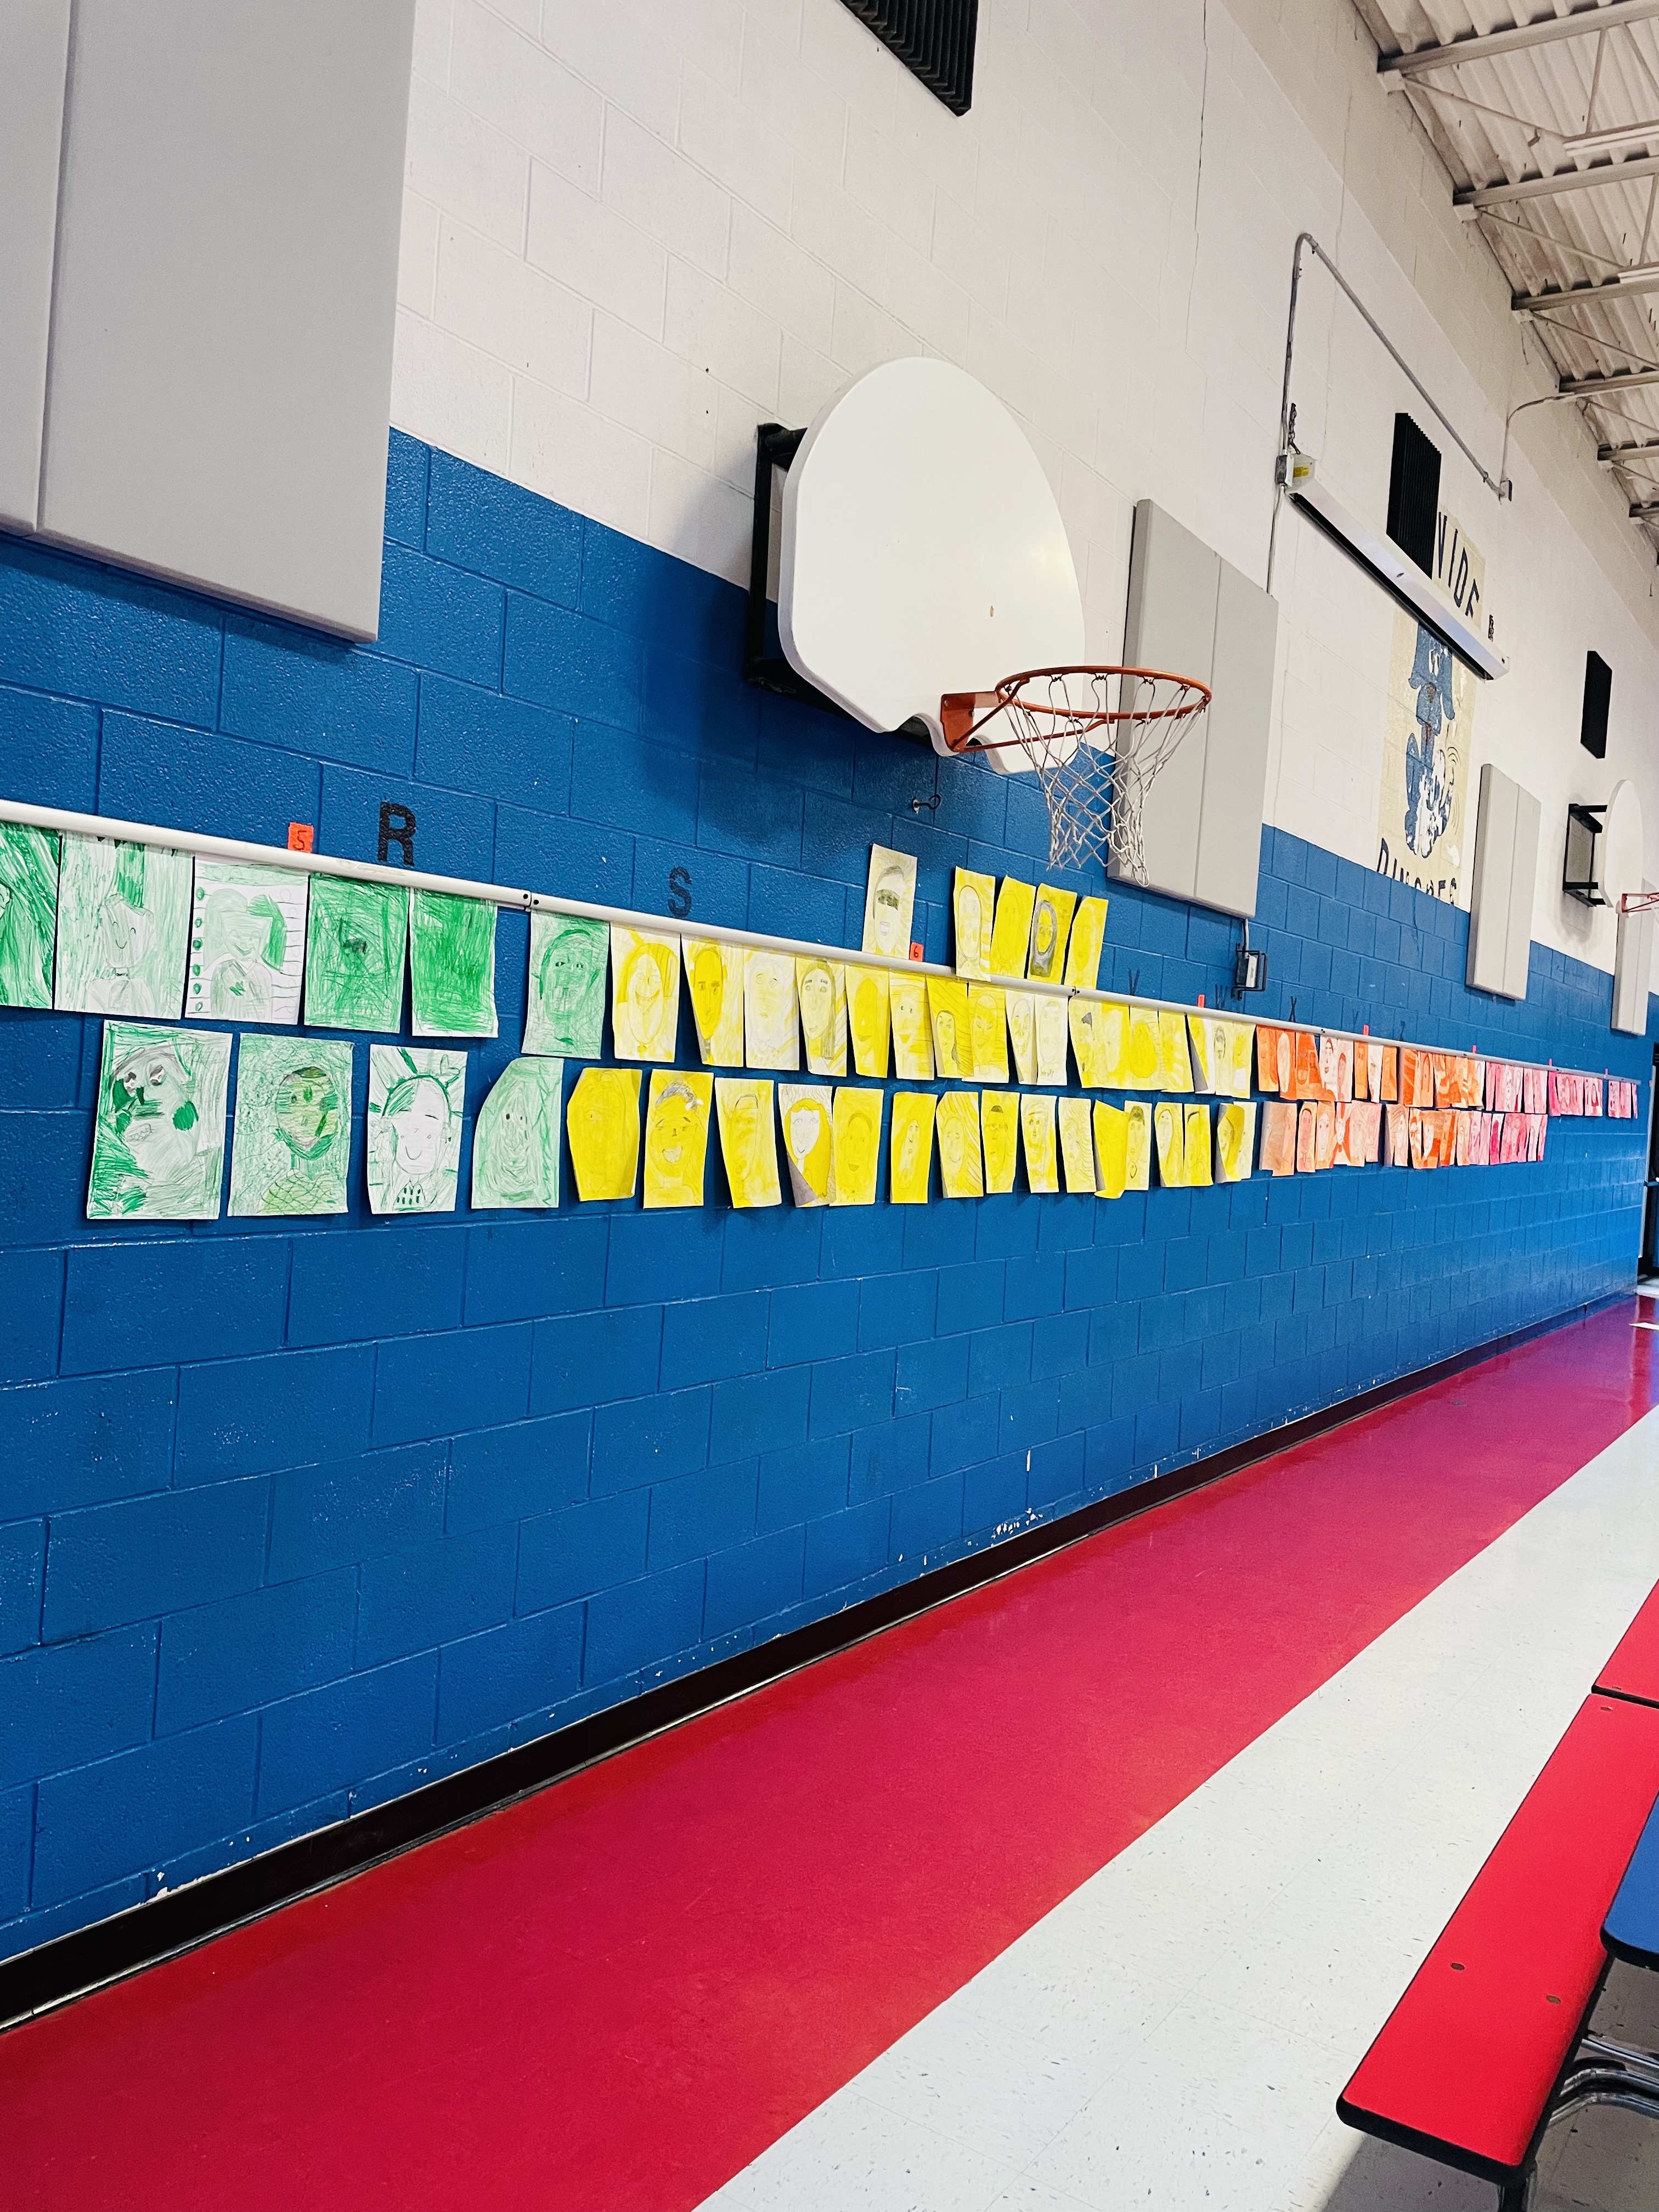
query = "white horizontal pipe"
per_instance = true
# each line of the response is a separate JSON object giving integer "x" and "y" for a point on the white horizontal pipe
{"x": 370, "y": 872}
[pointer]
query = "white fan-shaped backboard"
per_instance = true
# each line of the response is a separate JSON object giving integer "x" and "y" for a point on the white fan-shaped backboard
{"x": 921, "y": 551}
{"x": 1621, "y": 857}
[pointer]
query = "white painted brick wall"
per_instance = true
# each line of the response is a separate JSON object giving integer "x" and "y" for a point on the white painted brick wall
{"x": 636, "y": 228}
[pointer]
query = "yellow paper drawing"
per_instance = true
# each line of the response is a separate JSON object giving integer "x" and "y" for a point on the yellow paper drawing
{"x": 866, "y": 1007}
{"x": 821, "y": 988}
{"x": 889, "y": 900}
{"x": 1197, "y": 1145}
{"x": 1203, "y": 1057}
{"x": 1051, "y": 923}
{"x": 1144, "y": 1058}
{"x": 1022, "y": 1034}
{"x": 1050, "y": 1037}
{"x": 987, "y": 1027}
{"x": 1076, "y": 1145}
{"x": 1167, "y": 1128}
{"x": 962, "y": 1170}
{"x": 911, "y": 1147}
{"x": 1112, "y": 1033}
{"x": 806, "y": 1112}
{"x": 973, "y": 899}
{"x": 604, "y": 1121}
{"x": 1085, "y": 1042}
{"x": 855, "y": 1143}
{"x": 1174, "y": 1066}
{"x": 715, "y": 973}
{"x": 1235, "y": 1142}
{"x": 1111, "y": 1150}
{"x": 1083, "y": 948}
{"x": 912, "y": 1037}
{"x": 771, "y": 1031}
{"x": 1011, "y": 936}
{"x": 1036, "y": 1127}
{"x": 1000, "y": 1119}
{"x": 645, "y": 993}
{"x": 677, "y": 1137}
{"x": 1242, "y": 1039}
{"x": 1137, "y": 1144}
{"x": 947, "y": 1006}
{"x": 748, "y": 1143}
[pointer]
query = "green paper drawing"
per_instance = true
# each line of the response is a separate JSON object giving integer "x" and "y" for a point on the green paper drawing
{"x": 123, "y": 928}
{"x": 354, "y": 945}
{"x": 28, "y": 913}
{"x": 248, "y": 934}
{"x": 415, "y": 1102}
{"x": 452, "y": 966}
{"x": 515, "y": 1143}
{"x": 158, "y": 1144}
{"x": 565, "y": 1014}
{"x": 291, "y": 1141}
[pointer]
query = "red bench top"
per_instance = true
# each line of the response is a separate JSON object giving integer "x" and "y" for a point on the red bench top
{"x": 1634, "y": 1669}
{"x": 1467, "y": 2060}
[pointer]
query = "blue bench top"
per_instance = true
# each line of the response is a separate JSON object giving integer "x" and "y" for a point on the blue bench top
{"x": 1630, "y": 1930}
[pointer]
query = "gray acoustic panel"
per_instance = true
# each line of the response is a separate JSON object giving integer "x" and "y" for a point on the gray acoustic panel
{"x": 1236, "y": 745}
{"x": 1501, "y": 886}
{"x": 1191, "y": 614}
{"x": 1633, "y": 970}
{"x": 219, "y": 382}
{"x": 1523, "y": 883}
{"x": 33, "y": 55}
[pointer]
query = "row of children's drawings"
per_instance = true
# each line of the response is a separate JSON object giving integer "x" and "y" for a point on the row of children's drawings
{"x": 159, "y": 1140}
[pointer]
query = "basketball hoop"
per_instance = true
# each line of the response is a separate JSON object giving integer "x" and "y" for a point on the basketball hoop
{"x": 1638, "y": 902}
{"x": 1097, "y": 738}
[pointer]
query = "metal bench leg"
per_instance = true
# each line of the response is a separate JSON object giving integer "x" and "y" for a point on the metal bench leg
{"x": 1513, "y": 2197}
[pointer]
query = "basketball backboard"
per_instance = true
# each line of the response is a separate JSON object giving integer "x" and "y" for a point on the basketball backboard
{"x": 922, "y": 551}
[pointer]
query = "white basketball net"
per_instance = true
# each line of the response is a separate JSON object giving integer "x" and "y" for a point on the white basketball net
{"x": 1098, "y": 739}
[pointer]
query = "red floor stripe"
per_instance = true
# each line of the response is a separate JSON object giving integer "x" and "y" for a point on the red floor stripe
{"x": 617, "y": 1993}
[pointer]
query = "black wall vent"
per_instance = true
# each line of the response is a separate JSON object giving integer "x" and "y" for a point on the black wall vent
{"x": 1598, "y": 696}
{"x": 933, "y": 37}
{"x": 1413, "y": 493}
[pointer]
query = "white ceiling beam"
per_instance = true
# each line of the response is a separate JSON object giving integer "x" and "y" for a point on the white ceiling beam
{"x": 1397, "y": 70}
{"x": 1470, "y": 199}
{"x": 1625, "y": 286}
{"x": 1619, "y": 457}
{"x": 1607, "y": 387}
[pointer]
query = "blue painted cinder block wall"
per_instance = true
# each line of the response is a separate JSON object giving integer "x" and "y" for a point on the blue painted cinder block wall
{"x": 296, "y": 1517}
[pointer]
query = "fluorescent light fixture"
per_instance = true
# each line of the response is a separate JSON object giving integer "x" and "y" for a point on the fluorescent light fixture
{"x": 1381, "y": 559}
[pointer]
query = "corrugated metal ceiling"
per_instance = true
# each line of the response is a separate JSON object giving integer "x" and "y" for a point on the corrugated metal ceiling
{"x": 1588, "y": 103}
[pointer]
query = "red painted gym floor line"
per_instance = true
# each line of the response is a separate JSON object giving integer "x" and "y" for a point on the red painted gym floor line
{"x": 616, "y": 1993}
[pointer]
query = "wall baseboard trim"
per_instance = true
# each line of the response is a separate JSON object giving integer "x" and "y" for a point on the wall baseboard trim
{"x": 110, "y": 1950}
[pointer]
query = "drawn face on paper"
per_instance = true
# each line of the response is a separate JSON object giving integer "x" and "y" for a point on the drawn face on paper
{"x": 512, "y": 1147}
{"x": 1019, "y": 1028}
{"x": 909, "y": 1151}
{"x": 998, "y": 1114}
{"x": 707, "y": 988}
{"x": 672, "y": 1133}
{"x": 806, "y": 1133}
{"x": 124, "y": 937}
{"x": 154, "y": 1110}
{"x": 1040, "y": 1148}
{"x": 970, "y": 930}
{"x": 568, "y": 968}
{"x": 987, "y": 1020}
{"x": 888, "y": 911}
{"x": 1285, "y": 1051}
{"x": 744, "y": 1122}
{"x": 1044, "y": 930}
{"x": 858, "y": 1147}
{"x": 945, "y": 1037}
{"x": 816, "y": 993}
{"x": 1221, "y": 1057}
{"x": 1051, "y": 1032}
{"x": 1228, "y": 1131}
{"x": 909, "y": 1017}
{"x": 767, "y": 985}
{"x": 866, "y": 1018}
{"x": 952, "y": 1144}
{"x": 418, "y": 1116}
{"x": 643, "y": 992}
{"x": 307, "y": 1108}
{"x": 1135, "y": 1146}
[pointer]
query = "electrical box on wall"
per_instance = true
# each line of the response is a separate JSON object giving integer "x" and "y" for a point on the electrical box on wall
{"x": 1502, "y": 886}
{"x": 1192, "y": 614}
